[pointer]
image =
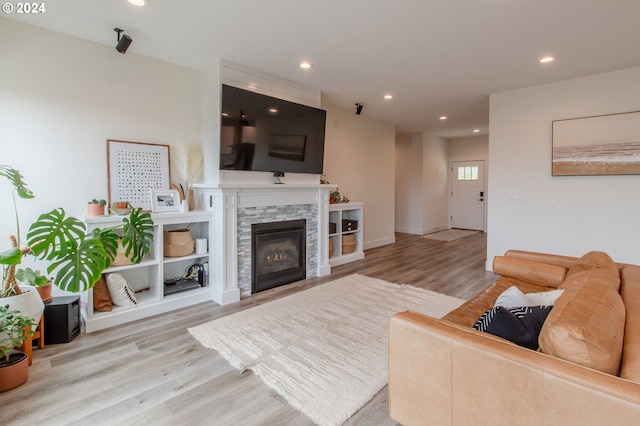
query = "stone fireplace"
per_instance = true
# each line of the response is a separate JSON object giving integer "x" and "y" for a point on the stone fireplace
{"x": 278, "y": 254}
{"x": 236, "y": 209}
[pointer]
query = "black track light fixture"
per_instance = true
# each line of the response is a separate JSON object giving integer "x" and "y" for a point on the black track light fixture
{"x": 359, "y": 108}
{"x": 123, "y": 41}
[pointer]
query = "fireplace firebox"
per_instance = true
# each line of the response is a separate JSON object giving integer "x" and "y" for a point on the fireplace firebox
{"x": 278, "y": 254}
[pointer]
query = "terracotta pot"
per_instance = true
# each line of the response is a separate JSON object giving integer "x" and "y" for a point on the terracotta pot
{"x": 95, "y": 210}
{"x": 45, "y": 292}
{"x": 15, "y": 373}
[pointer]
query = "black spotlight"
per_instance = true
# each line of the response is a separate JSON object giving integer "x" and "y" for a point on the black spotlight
{"x": 123, "y": 41}
{"x": 358, "y": 108}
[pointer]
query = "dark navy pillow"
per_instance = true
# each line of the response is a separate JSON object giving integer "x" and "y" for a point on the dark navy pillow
{"x": 520, "y": 325}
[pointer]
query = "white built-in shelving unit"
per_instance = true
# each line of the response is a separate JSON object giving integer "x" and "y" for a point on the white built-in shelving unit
{"x": 147, "y": 277}
{"x": 337, "y": 213}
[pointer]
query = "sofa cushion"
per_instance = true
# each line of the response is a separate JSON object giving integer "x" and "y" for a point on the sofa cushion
{"x": 600, "y": 276}
{"x": 586, "y": 325}
{"x": 530, "y": 271}
{"x": 596, "y": 260}
{"x": 513, "y": 297}
{"x": 520, "y": 325}
{"x": 467, "y": 314}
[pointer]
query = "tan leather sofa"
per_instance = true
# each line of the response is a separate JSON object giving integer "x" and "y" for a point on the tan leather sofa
{"x": 443, "y": 372}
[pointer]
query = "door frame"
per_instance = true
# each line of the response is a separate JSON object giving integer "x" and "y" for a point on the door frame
{"x": 486, "y": 189}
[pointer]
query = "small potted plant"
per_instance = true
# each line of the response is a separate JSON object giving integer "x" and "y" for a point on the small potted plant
{"x": 95, "y": 207}
{"x": 14, "y": 365}
{"x": 33, "y": 278}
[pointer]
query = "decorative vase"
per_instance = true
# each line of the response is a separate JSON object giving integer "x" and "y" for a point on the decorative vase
{"x": 95, "y": 210}
{"x": 15, "y": 372}
{"x": 191, "y": 201}
{"x": 45, "y": 292}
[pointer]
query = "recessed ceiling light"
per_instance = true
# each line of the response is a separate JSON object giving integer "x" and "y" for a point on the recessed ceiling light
{"x": 305, "y": 65}
{"x": 547, "y": 59}
{"x": 273, "y": 110}
{"x": 224, "y": 114}
{"x": 139, "y": 2}
{"x": 443, "y": 117}
{"x": 388, "y": 96}
{"x": 476, "y": 130}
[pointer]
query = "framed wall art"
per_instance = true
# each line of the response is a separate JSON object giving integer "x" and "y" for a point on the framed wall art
{"x": 165, "y": 200}
{"x": 134, "y": 168}
{"x": 599, "y": 145}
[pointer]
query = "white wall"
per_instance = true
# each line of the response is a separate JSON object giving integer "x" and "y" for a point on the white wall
{"x": 61, "y": 98}
{"x": 409, "y": 185}
{"x": 469, "y": 148}
{"x": 435, "y": 157}
{"x": 359, "y": 157}
{"x": 566, "y": 215}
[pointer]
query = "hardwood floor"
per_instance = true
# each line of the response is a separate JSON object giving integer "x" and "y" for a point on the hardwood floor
{"x": 153, "y": 372}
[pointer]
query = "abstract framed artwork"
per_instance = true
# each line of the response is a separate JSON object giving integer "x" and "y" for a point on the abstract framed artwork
{"x": 598, "y": 145}
{"x": 134, "y": 168}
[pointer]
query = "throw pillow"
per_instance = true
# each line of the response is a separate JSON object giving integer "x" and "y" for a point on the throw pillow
{"x": 121, "y": 293}
{"x": 513, "y": 297}
{"x": 520, "y": 325}
{"x": 101, "y": 296}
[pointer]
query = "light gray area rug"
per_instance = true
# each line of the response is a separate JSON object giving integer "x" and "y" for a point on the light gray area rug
{"x": 323, "y": 349}
{"x": 449, "y": 234}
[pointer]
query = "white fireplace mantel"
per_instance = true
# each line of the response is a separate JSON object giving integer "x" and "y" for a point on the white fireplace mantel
{"x": 226, "y": 201}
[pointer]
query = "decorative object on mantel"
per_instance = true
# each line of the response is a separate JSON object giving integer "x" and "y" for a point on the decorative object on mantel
{"x": 121, "y": 207}
{"x": 95, "y": 207}
{"x": 125, "y": 163}
{"x": 165, "y": 200}
{"x": 323, "y": 362}
{"x": 599, "y": 145}
{"x": 190, "y": 167}
{"x": 334, "y": 197}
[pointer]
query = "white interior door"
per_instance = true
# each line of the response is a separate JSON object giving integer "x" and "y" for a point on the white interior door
{"x": 467, "y": 195}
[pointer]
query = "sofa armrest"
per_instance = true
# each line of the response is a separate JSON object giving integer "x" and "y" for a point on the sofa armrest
{"x": 446, "y": 374}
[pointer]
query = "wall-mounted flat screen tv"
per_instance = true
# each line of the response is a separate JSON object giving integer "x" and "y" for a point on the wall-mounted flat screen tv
{"x": 262, "y": 133}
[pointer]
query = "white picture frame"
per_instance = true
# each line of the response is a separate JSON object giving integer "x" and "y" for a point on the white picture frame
{"x": 165, "y": 200}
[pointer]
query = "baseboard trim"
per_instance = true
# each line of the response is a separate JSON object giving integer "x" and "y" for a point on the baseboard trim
{"x": 379, "y": 243}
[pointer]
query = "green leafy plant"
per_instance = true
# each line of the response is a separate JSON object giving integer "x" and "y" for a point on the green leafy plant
{"x": 77, "y": 257}
{"x": 14, "y": 330}
{"x": 31, "y": 277}
{"x": 96, "y": 201}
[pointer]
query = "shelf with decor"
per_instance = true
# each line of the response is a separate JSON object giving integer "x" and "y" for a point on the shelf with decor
{"x": 169, "y": 259}
{"x": 346, "y": 226}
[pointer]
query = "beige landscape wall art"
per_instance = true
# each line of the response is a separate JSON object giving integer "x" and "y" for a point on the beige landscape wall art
{"x": 599, "y": 145}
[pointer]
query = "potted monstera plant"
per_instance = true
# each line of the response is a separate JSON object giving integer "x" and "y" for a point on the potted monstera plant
{"x": 77, "y": 258}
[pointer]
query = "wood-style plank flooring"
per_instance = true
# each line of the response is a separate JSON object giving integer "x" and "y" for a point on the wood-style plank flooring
{"x": 153, "y": 372}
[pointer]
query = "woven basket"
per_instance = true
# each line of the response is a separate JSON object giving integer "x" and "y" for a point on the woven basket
{"x": 178, "y": 243}
{"x": 330, "y": 247}
{"x": 348, "y": 243}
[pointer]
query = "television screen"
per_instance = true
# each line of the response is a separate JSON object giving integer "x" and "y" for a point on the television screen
{"x": 262, "y": 133}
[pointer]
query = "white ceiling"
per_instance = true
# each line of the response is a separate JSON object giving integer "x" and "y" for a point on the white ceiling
{"x": 437, "y": 57}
